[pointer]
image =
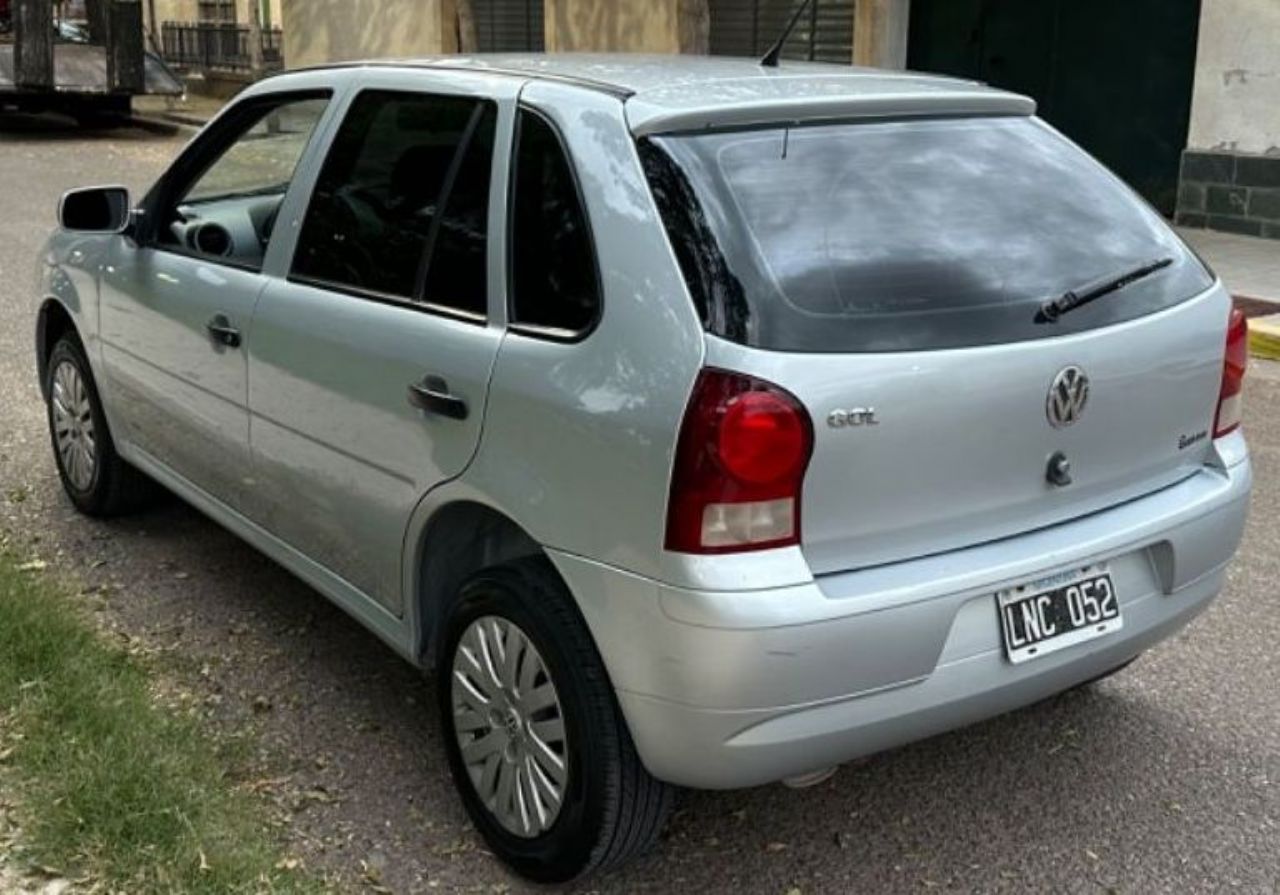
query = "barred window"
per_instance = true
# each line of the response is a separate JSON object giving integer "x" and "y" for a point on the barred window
{"x": 216, "y": 10}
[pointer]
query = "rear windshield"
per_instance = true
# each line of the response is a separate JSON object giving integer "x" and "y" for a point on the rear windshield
{"x": 906, "y": 235}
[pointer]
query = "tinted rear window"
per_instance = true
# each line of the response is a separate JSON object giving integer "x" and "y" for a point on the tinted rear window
{"x": 905, "y": 235}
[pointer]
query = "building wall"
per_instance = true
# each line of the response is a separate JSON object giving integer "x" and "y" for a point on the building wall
{"x": 319, "y": 31}
{"x": 172, "y": 10}
{"x": 188, "y": 11}
{"x": 632, "y": 26}
{"x": 1236, "y": 103}
{"x": 331, "y": 30}
{"x": 272, "y": 12}
{"x": 1231, "y": 169}
{"x": 880, "y": 33}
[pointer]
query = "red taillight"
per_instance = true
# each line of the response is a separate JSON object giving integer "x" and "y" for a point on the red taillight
{"x": 1230, "y": 407}
{"x": 740, "y": 461}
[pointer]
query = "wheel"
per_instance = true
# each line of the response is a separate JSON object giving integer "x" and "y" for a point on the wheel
{"x": 536, "y": 742}
{"x": 98, "y": 482}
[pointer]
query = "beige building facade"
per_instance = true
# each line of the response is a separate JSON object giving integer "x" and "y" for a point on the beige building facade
{"x": 652, "y": 26}
{"x": 319, "y": 31}
{"x": 870, "y": 32}
{"x": 213, "y": 10}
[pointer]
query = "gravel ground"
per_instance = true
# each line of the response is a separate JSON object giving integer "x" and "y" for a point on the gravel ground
{"x": 1165, "y": 778}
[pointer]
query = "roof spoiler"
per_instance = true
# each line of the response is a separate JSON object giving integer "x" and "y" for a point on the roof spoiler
{"x": 670, "y": 111}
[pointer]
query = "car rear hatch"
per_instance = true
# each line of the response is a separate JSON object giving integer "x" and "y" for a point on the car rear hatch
{"x": 907, "y": 281}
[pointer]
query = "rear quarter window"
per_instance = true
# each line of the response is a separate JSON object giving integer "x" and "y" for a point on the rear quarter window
{"x": 555, "y": 285}
{"x": 905, "y": 235}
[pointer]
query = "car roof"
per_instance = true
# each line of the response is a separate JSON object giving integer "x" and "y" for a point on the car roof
{"x": 665, "y": 93}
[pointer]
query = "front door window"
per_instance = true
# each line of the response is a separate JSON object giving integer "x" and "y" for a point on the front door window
{"x": 225, "y": 207}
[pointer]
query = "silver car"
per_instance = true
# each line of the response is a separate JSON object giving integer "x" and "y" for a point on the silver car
{"x": 702, "y": 424}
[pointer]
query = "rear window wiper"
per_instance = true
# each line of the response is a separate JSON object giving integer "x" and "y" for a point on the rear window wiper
{"x": 1054, "y": 308}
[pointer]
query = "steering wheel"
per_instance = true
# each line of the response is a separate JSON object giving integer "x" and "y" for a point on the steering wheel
{"x": 347, "y": 258}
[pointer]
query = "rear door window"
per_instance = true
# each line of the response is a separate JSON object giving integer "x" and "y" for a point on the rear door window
{"x": 905, "y": 235}
{"x": 400, "y": 208}
{"x": 457, "y": 259}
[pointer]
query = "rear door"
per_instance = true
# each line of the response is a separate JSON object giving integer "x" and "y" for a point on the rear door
{"x": 892, "y": 276}
{"x": 371, "y": 362}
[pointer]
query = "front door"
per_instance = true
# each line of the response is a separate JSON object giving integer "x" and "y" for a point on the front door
{"x": 370, "y": 366}
{"x": 177, "y": 304}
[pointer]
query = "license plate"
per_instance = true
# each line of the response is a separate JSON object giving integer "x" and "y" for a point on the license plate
{"x": 1053, "y": 613}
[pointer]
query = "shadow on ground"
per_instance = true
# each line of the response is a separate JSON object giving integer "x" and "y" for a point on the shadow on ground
{"x": 350, "y": 730}
{"x": 52, "y": 127}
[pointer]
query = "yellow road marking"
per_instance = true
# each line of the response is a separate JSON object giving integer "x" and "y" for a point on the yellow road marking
{"x": 1264, "y": 337}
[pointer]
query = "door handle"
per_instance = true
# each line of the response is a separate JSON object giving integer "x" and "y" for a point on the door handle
{"x": 222, "y": 332}
{"x": 432, "y": 395}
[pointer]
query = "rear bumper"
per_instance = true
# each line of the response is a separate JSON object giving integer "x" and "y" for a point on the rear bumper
{"x": 730, "y": 689}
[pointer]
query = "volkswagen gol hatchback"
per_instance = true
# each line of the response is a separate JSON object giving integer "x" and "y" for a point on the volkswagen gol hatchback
{"x": 702, "y": 424}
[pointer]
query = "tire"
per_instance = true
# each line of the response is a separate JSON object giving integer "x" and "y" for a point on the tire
{"x": 98, "y": 482}
{"x": 611, "y": 809}
{"x": 102, "y": 112}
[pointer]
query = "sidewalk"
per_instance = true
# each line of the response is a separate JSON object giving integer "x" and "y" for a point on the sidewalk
{"x": 190, "y": 110}
{"x": 1250, "y": 268}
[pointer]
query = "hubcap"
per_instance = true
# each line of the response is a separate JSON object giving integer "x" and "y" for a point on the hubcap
{"x": 73, "y": 425}
{"x": 509, "y": 726}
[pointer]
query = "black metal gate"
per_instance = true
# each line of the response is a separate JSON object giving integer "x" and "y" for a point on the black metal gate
{"x": 217, "y": 46}
{"x": 508, "y": 26}
{"x": 749, "y": 27}
{"x": 1114, "y": 76}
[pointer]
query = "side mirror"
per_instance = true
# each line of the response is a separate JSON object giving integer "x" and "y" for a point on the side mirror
{"x": 97, "y": 209}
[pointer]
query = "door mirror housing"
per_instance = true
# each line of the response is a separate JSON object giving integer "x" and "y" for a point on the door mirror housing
{"x": 98, "y": 209}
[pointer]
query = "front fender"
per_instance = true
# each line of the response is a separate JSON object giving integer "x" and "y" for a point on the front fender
{"x": 67, "y": 277}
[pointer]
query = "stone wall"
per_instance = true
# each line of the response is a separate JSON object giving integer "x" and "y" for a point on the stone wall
{"x": 1230, "y": 191}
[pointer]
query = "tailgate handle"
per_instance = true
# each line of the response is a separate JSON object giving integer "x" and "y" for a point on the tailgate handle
{"x": 1058, "y": 471}
{"x": 432, "y": 395}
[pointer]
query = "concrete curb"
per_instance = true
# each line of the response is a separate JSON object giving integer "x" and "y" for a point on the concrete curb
{"x": 1264, "y": 325}
{"x": 1264, "y": 337}
{"x": 184, "y": 120}
{"x": 169, "y": 122}
{"x": 155, "y": 125}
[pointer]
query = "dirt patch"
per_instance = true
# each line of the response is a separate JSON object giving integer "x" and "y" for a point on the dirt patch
{"x": 15, "y": 878}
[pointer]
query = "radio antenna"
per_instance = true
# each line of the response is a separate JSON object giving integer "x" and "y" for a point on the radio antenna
{"x": 770, "y": 59}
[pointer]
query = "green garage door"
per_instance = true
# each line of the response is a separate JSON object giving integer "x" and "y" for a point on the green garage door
{"x": 1114, "y": 75}
{"x": 749, "y": 27}
{"x": 508, "y": 26}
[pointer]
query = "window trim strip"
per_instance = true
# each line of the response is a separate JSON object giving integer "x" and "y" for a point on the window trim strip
{"x": 384, "y": 298}
{"x": 442, "y": 204}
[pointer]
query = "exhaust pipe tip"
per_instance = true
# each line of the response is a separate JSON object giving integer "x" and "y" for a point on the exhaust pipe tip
{"x": 813, "y": 778}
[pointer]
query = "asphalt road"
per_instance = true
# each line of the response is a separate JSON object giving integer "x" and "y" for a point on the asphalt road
{"x": 1165, "y": 778}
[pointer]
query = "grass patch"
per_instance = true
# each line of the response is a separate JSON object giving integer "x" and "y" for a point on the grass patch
{"x": 110, "y": 786}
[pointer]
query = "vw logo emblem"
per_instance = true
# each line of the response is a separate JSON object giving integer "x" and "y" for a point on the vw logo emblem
{"x": 1068, "y": 395}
